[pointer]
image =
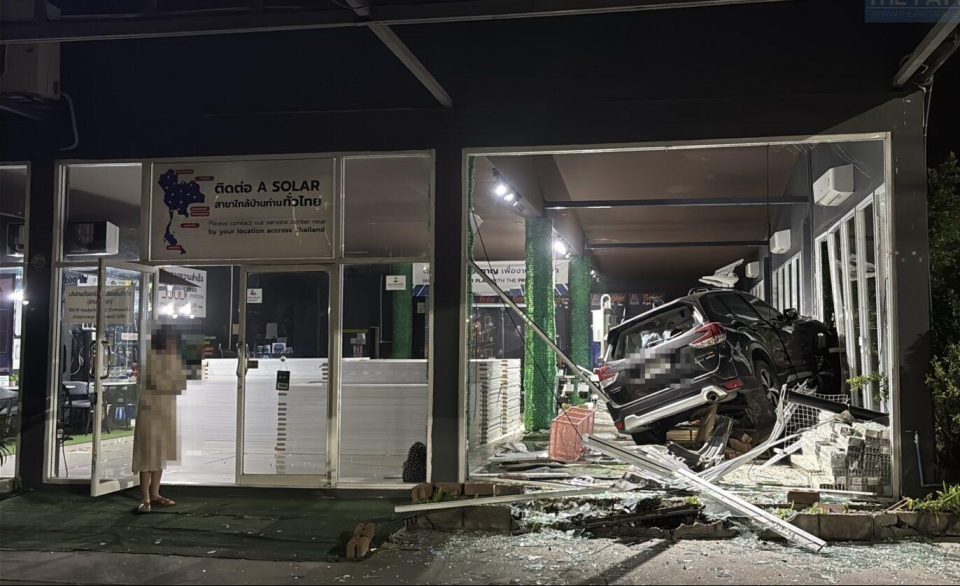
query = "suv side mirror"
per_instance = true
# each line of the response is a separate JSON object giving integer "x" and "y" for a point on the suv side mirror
{"x": 791, "y": 314}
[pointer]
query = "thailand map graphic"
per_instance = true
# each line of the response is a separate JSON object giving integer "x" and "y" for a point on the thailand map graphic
{"x": 178, "y": 196}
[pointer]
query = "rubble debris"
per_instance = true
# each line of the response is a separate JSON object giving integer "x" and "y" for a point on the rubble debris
{"x": 712, "y": 451}
{"x": 707, "y": 424}
{"x": 670, "y": 470}
{"x": 841, "y": 455}
{"x": 521, "y": 457}
{"x": 495, "y": 500}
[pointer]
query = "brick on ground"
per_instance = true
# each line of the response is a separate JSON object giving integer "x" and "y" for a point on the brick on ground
{"x": 803, "y": 497}
{"x": 359, "y": 545}
{"x": 507, "y": 489}
{"x": 478, "y": 489}
{"x": 422, "y": 492}
{"x": 451, "y": 488}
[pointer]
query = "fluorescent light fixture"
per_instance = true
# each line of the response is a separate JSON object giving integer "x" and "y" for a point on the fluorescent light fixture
{"x": 501, "y": 189}
{"x": 559, "y": 247}
{"x": 516, "y": 203}
{"x": 510, "y": 196}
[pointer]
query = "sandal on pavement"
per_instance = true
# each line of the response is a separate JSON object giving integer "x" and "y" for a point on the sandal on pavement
{"x": 163, "y": 502}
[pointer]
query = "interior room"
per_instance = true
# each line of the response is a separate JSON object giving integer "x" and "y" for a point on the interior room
{"x": 631, "y": 229}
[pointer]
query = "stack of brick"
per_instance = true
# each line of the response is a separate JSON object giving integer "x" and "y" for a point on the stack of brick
{"x": 842, "y": 456}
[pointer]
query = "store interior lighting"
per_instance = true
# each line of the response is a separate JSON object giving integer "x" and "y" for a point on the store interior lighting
{"x": 503, "y": 190}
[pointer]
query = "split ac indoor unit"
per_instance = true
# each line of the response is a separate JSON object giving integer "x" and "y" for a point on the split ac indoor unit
{"x": 834, "y": 186}
{"x": 30, "y": 70}
{"x": 780, "y": 243}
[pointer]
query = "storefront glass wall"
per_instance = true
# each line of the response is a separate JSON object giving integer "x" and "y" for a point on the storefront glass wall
{"x": 264, "y": 322}
{"x": 385, "y": 375}
{"x": 13, "y": 223}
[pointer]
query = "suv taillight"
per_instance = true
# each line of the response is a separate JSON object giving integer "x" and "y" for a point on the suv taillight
{"x": 711, "y": 334}
{"x": 605, "y": 374}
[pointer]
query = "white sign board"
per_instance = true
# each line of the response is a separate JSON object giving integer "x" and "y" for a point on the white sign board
{"x": 396, "y": 282}
{"x": 80, "y": 305}
{"x": 254, "y": 295}
{"x": 180, "y": 299}
{"x": 217, "y": 210}
{"x": 508, "y": 275}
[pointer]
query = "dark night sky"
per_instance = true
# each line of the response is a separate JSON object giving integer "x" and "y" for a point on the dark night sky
{"x": 944, "y": 132}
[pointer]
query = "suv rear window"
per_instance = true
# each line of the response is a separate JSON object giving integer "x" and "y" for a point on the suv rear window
{"x": 657, "y": 329}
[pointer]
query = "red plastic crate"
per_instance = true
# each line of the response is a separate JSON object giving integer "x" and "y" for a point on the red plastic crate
{"x": 566, "y": 432}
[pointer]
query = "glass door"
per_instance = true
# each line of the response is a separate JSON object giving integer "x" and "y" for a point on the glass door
{"x": 124, "y": 311}
{"x": 284, "y": 377}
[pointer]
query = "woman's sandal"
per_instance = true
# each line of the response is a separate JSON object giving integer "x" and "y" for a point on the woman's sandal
{"x": 163, "y": 502}
{"x": 142, "y": 509}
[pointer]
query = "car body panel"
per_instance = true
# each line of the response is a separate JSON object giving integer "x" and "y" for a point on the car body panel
{"x": 652, "y": 365}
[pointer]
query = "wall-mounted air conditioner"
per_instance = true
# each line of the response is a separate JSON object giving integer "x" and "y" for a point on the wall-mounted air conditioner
{"x": 30, "y": 70}
{"x": 780, "y": 243}
{"x": 752, "y": 270}
{"x": 834, "y": 186}
{"x": 91, "y": 239}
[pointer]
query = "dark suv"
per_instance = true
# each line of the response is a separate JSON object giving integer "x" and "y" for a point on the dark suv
{"x": 672, "y": 363}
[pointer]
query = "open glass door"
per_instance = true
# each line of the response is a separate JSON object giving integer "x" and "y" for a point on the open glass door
{"x": 284, "y": 377}
{"x": 124, "y": 314}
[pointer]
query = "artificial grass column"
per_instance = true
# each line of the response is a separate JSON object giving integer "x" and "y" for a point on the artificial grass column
{"x": 580, "y": 284}
{"x": 540, "y": 363}
{"x": 403, "y": 314}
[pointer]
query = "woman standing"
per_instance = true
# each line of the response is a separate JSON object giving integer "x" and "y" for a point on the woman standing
{"x": 155, "y": 440}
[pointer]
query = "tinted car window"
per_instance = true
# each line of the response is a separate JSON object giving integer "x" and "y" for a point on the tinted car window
{"x": 657, "y": 329}
{"x": 717, "y": 309}
{"x": 740, "y": 308}
{"x": 766, "y": 311}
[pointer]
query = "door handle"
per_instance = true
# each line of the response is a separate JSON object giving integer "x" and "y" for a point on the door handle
{"x": 106, "y": 360}
{"x": 241, "y": 359}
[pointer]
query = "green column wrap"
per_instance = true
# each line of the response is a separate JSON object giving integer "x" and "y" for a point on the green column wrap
{"x": 540, "y": 363}
{"x": 580, "y": 284}
{"x": 403, "y": 314}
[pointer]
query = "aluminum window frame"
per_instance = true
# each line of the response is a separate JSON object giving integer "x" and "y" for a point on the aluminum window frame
{"x": 22, "y": 265}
